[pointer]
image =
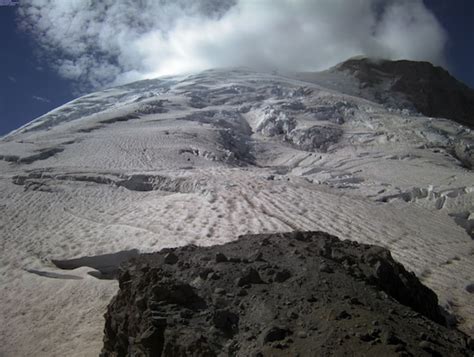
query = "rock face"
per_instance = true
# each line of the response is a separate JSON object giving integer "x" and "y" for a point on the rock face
{"x": 430, "y": 89}
{"x": 298, "y": 294}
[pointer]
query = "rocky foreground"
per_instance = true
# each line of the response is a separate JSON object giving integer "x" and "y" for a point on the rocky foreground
{"x": 291, "y": 294}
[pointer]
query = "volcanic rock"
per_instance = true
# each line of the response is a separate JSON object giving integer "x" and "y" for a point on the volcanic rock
{"x": 431, "y": 90}
{"x": 375, "y": 308}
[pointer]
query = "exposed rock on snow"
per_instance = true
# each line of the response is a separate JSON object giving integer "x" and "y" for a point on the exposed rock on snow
{"x": 264, "y": 295}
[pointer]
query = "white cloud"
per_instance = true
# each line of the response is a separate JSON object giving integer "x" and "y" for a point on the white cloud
{"x": 41, "y": 99}
{"x": 118, "y": 41}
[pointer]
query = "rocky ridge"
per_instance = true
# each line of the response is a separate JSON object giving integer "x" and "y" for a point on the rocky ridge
{"x": 428, "y": 89}
{"x": 299, "y": 294}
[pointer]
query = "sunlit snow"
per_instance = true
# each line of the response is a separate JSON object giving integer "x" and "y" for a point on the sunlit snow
{"x": 204, "y": 158}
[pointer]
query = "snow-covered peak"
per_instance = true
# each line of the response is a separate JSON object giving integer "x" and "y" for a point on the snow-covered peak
{"x": 203, "y": 158}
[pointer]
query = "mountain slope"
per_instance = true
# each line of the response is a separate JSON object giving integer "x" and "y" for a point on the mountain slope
{"x": 205, "y": 158}
{"x": 415, "y": 86}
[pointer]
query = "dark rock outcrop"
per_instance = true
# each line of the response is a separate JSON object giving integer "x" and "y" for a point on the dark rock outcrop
{"x": 298, "y": 294}
{"x": 430, "y": 89}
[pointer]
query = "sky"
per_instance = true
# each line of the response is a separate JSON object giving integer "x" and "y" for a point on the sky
{"x": 52, "y": 51}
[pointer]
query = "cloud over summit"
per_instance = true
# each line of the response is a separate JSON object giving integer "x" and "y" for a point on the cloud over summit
{"x": 99, "y": 43}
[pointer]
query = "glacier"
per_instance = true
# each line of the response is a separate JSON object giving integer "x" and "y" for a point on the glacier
{"x": 206, "y": 157}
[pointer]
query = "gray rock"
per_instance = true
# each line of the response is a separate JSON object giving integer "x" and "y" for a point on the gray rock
{"x": 249, "y": 276}
{"x": 324, "y": 268}
{"x": 221, "y": 258}
{"x": 282, "y": 275}
{"x": 171, "y": 258}
{"x": 211, "y": 309}
{"x": 274, "y": 333}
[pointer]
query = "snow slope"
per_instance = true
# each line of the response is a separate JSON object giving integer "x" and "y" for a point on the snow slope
{"x": 204, "y": 158}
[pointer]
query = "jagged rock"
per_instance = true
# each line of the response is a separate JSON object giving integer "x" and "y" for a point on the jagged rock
{"x": 273, "y": 334}
{"x": 160, "y": 310}
{"x": 226, "y": 321}
{"x": 249, "y": 276}
{"x": 429, "y": 89}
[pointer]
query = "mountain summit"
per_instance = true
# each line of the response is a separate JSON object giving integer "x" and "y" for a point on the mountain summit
{"x": 205, "y": 158}
{"x": 418, "y": 86}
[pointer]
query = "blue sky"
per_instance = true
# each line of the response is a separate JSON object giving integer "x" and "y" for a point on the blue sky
{"x": 457, "y": 17}
{"x": 30, "y": 86}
